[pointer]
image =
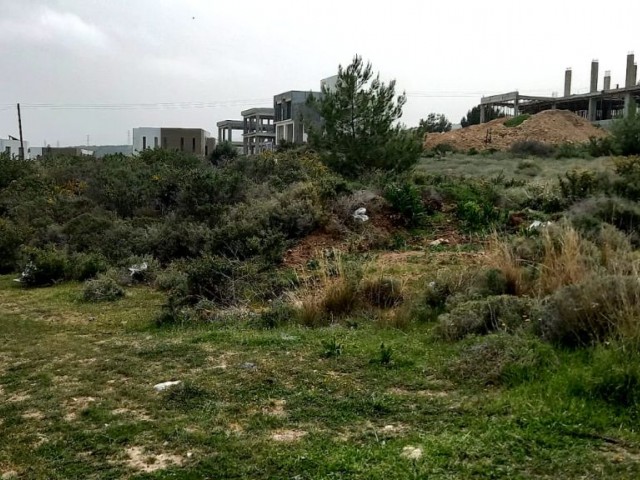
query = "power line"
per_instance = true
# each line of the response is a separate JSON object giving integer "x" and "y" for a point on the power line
{"x": 140, "y": 106}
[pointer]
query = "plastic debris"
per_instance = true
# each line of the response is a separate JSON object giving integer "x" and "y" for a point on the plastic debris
{"x": 538, "y": 224}
{"x": 134, "y": 269}
{"x": 361, "y": 215}
{"x": 160, "y": 387}
{"x": 438, "y": 242}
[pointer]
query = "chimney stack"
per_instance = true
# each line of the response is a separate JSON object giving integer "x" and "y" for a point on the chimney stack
{"x": 630, "y": 78}
{"x": 607, "y": 80}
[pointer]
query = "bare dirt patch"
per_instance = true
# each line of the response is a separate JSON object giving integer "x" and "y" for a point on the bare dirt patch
{"x": 135, "y": 414}
{"x": 620, "y": 454}
{"x": 19, "y": 397}
{"x": 33, "y": 415}
{"x": 140, "y": 460}
{"x": 308, "y": 248}
{"x": 77, "y": 405}
{"x": 288, "y": 436}
{"x": 400, "y": 392}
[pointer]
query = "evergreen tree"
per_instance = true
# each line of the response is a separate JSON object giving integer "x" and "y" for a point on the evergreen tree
{"x": 359, "y": 130}
{"x": 434, "y": 123}
{"x": 473, "y": 116}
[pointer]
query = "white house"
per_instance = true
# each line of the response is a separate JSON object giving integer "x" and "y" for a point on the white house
{"x": 12, "y": 147}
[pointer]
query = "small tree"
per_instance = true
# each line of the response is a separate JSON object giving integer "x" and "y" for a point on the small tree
{"x": 359, "y": 131}
{"x": 626, "y": 133}
{"x": 223, "y": 152}
{"x": 473, "y": 116}
{"x": 434, "y": 123}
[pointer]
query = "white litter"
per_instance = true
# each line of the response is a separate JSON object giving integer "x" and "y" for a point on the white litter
{"x": 438, "y": 242}
{"x": 538, "y": 224}
{"x": 160, "y": 387}
{"x": 361, "y": 215}
{"x": 133, "y": 269}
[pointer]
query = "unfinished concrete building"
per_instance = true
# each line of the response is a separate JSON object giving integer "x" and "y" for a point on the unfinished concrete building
{"x": 225, "y": 133}
{"x": 291, "y": 114}
{"x": 598, "y": 105}
{"x": 196, "y": 141}
{"x": 259, "y": 131}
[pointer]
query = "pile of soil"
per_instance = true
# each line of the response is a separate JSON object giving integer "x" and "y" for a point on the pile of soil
{"x": 553, "y": 127}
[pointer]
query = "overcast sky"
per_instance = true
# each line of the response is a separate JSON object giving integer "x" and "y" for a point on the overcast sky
{"x": 217, "y": 58}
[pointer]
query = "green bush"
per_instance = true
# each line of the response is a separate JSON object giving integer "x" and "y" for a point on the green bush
{"x": 626, "y": 133}
{"x": 405, "y": 199}
{"x": 102, "y": 289}
{"x": 600, "y": 147}
{"x": 11, "y": 239}
{"x": 571, "y": 150}
{"x": 480, "y": 317}
{"x": 87, "y": 265}
{"x": 577, "y": 185}
{"x": 43, "y": 267}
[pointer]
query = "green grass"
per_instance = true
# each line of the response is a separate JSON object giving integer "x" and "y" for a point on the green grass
{"x": 515, "y": 121}
{"x": 503, "y": 163}
{"x": 76, "y": 384}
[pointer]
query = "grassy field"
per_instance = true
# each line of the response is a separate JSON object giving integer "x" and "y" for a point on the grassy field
{"x": 77, "y": 400}
{"x": 536, "y": 169}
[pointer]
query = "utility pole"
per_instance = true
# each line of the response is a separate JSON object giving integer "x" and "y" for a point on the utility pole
{"x": 20, "y": 129}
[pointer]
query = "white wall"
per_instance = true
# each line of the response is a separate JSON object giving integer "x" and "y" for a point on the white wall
{"x": 13, "y": 147}
{"x": 150, "y": 134}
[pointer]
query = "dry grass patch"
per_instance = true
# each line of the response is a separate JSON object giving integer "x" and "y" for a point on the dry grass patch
{"x": 288, "y": 436}
{"x": 141, "y": 460}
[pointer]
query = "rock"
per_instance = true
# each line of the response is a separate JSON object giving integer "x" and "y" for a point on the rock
{"x": 249, "y": 366}
{"x": 160, "y": 387}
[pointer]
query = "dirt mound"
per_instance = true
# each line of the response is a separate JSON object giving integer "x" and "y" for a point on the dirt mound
{"x": 553, "y": 127}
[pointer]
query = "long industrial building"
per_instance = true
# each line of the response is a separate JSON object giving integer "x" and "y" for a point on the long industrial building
{"x": 598, "y": 105}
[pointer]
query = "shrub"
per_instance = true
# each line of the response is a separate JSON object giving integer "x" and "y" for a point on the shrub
{"x": 340, "y": 298}
{"x": 532, "y": 147}
{"x": 571, "y": 150}
{"x": 577, "y": 185}
{"x": 626, "y": 133}
{"x": 137, "y": 271}
{"x": 102, "y": 289}
{"x": 172, "y": 279}
{"x": 278, "y": 314}
{"x": 479, "y": 317}
{"x": 600, "y": 147}
{"x": 405, "y": 199}
{"x": 529, "y": 168}
{"x": 503, "y": 359}
{"x": 44, "y": 267}
{"x": 518, "y": 120}
{"x": 383, "y": 292}
{"x": 11, "y": 238}
{"x": 619, "y": 212}
{"x": 88, "y": 265}
{"x": 331, "y": 348}
{"x": 590, "y": 311}
{"x": 479, "y": 216}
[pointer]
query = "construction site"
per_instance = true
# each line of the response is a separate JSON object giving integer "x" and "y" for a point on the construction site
{"x": 573, "y": 118}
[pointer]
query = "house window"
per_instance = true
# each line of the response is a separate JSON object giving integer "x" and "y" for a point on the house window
{"x": 182, "y": 144}
{"x": 164, "y": 142}
{"x": 144, "y": 143}
{"x": 206, "y": 150}
{"x": 155, "y": 142}
{"x": 193, "y": 145}
{"x": 7, "y": 150}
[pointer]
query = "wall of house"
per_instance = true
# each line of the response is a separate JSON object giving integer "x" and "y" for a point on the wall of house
{"x": 145, "y": 138}
{"x": 12, "y": 147}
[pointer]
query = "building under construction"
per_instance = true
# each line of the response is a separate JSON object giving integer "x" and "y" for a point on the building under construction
{"x": 599, "y": 105}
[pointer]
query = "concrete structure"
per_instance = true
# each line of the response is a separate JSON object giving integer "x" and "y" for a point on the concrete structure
{"x": 11, "y": 146}
{"x": 259, "y": 131}
{"x": 192, "y": 140}
{"x": 225, "y": 133}
{"x": 599, "y": 106}
{"x": 292, "y": 113}
{"x": 329, "y": 83}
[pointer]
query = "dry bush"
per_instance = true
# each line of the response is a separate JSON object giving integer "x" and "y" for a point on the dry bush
{"x": 559, "y": 256}
{"x": 397, "y": 319}
{"x": 592, "y": 311}
{"x": 383, "y": 292}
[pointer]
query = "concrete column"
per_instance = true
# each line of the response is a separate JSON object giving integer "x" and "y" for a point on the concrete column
{"x": 230, "y": 134}
{"x": 635, "y": 73}
{"x": 631, "y": 71}
{"x": 628, "y": 99}
{"x": 516, "y": 106}
{"x": 593, "y": 109}
{"x": 483, "y": 114}
{"x": 567, "y": 82}
{"x": 607, "y": 80}
{"x": 258, "y": 123}
{"x": 594, "y": 76}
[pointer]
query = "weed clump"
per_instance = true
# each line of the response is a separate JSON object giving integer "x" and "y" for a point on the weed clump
{"x": 102, "y": 289}
{"x": 44, "y": 267}
{"x": 383, "y": 292}
{"x": 532, "y": 148}
{"x": 503, "y": 313}
{"x": 590, "y": 311}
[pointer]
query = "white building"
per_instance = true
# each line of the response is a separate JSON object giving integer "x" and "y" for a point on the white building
{"x": 146, "y": 137}
{"x": 12, "y": 147}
